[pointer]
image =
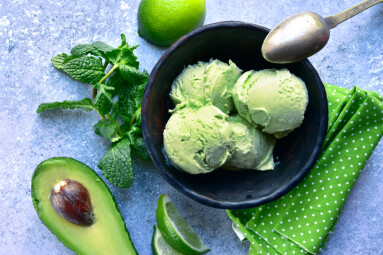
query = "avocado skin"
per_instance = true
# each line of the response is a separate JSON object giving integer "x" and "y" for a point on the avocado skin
{"x": 95, "y": 184}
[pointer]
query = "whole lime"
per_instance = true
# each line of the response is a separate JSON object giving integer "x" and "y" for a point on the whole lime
{"x": 162, "y": 22}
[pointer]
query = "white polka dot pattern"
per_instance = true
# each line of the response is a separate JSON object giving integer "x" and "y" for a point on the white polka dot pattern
{"x": 301, "y": 221}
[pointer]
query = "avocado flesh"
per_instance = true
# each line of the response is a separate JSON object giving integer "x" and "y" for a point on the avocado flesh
{"x": 107, "y": 235}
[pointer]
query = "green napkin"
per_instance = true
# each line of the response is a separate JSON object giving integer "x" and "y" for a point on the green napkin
{"x": 301, "y": 221}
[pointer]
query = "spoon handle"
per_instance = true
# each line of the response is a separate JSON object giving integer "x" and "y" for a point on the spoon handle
{"x": 333, "y": 21}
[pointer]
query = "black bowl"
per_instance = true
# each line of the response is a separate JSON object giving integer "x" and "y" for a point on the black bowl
{"x": 296, "y": 154}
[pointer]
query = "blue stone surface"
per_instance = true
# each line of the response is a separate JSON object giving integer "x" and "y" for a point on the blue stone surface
{"x": 33, "y": 31}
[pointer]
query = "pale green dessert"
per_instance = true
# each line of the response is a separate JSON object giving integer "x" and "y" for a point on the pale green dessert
{"x": 198, "y": 140}
{"x": 205, "y": 83}
{"x": 200, "y": 136}
{"x": 253, "y": 149}
{"x": 276, "y": 100}
{"x": 189, "y": 86}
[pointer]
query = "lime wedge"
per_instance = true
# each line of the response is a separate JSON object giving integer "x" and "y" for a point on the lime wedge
{"x": 160, "y": 246}
{"x": 176, "y": 230}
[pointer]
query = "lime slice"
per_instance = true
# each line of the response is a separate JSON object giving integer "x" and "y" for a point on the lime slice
{"x": 176, "y": 230}
{"x": 160, "y": 246}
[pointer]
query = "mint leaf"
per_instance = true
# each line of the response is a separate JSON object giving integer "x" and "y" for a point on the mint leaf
{"x": 83, "y": 50}
{"x": 117, "y": 82}
{"x": 77, "y": 51}
{"x": 123, "y": 41}
{"x": 58, "y": 60}
{"x": 138, "y": 143}
{"x": 116, "y": 164}
{"x": 139, "y": 148}
{"x": 128, "y": 102}
{"x": 86, "y": 69}
{"x": 134, "y": 133}
{"x": 102, "y": 46}
{"x": 128, "y": 58}
{"x": 104, "y": 129}
{"x": 103, "y": 100}
{"x": 113, "y": 56}
{"x": 137, "y": 121}
{"x": 69, "y": 58}
{"x": 114, "y": 113}
{"x": 123, "y": 54}
{"x": 85, "y": 104}
{"x": 132, "y": 74}
{"x": 134, "y": 121}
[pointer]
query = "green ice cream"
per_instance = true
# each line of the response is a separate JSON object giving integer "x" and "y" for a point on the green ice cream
{"x": 198, "y": 140}
{"x": 252, "y": 148}
{"x": 205, "y": 83}
{"x": 200, "y": 136}
{"x": 276, "y": 100}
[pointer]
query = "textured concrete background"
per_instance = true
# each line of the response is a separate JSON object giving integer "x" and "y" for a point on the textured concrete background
{"x": 33, "y": 31}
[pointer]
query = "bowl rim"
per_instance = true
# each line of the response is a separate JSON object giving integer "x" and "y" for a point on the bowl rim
{"x": 205, "y": 199}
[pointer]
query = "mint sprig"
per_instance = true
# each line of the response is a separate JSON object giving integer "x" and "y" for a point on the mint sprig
{"x": 118, "y": 87}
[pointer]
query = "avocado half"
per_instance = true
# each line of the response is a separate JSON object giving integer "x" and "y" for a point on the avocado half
{"x": 106, "y": 235}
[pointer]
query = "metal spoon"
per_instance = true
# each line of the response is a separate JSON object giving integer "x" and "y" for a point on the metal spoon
{"x": 304, "y": 34}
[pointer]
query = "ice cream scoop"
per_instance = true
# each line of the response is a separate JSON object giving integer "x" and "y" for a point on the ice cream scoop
{"x": 275, "y": 100}
{"x": 198, "y": 140}
{"x": 253, "y": 149}
{"x": 204, "y": 83}
{"x": 189, "y": 85}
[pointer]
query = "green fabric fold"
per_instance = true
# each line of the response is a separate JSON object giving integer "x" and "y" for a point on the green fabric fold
{"x": 301, "y": 221}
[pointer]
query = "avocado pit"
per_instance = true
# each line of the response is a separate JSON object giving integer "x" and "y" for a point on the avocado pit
{"x": 71, "y": 200}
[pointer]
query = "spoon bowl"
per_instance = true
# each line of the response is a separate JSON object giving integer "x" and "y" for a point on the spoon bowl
{"x": 296, "y": 38}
